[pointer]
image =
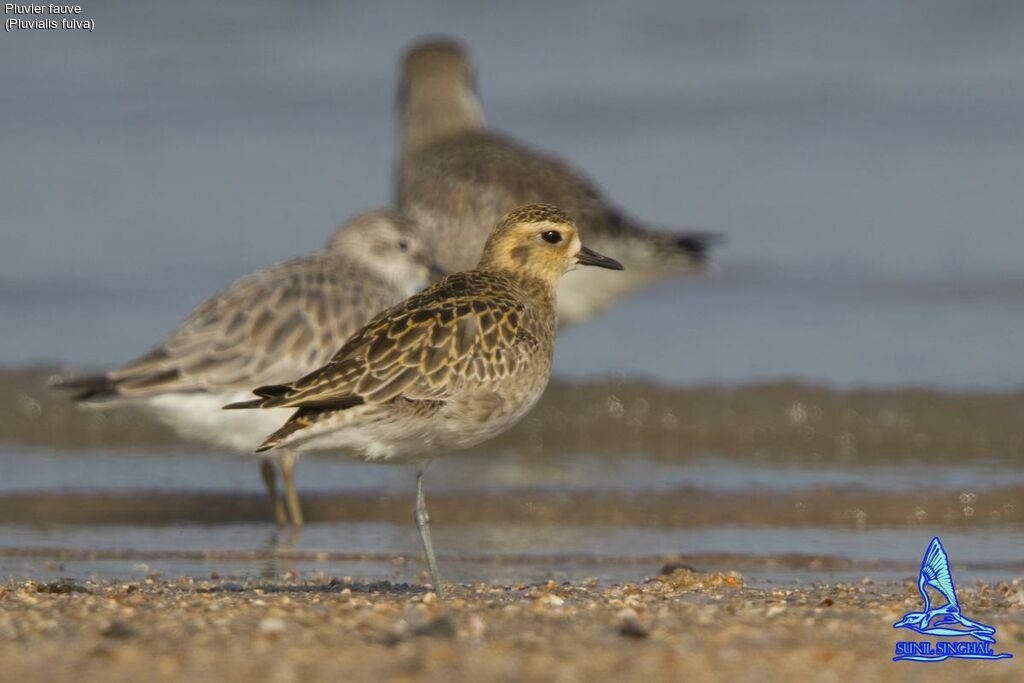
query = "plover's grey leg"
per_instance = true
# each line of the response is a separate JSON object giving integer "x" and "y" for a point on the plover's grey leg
{"x": 270, "y": 481}
{"x": 423, "y": 523}
{"x": 288, "y": 459}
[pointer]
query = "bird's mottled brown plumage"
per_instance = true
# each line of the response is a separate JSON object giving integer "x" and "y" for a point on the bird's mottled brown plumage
{"x": 485, "y": 330}
{"x": 269, "y": 327}
{"x": 461, "y": 327}
{"x": 446, "y": 369}
{"x": 456, "y": 177}
{"x": 470, "y": 328}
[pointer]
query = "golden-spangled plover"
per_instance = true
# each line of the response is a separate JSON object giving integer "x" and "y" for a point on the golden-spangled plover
{"x": 448, "y": 368}
{"x": 456, "y": 177}
{"x": 269, "y": 327}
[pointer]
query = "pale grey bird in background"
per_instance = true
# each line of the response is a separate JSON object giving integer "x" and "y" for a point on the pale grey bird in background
{"x": 446, "y": 369}
{"x": 457, "y": 178}
{"x": 269, "y": 327}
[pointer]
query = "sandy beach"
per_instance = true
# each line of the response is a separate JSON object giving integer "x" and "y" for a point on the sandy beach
{"x": 684, "y": 626}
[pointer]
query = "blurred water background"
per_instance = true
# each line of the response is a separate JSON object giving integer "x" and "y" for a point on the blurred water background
{"x": 864, "y": 160}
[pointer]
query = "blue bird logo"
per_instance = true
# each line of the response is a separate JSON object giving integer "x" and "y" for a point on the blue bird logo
{"x": 946, "y": 621}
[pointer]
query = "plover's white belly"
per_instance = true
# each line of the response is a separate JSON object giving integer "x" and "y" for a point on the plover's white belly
{"x": 401, "y": 433}
{"x": 200, "y": 417}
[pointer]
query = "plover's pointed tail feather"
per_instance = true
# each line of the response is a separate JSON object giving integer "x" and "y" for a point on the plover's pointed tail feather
{"x": 696, "y": 245}
{"x": 654, "y": 251}
{"x": 652, "y": 247}
{"x": 296, "y": 422}
{"x": 117, "y": 386}
{"x": 92, "y": 388}
{"x": 278, "y": 396}
{"x": 300, "y": 419}
{"x": 270, "y": 396}
{"x": 272, "y": 390}
{"x": 243, "y": 405}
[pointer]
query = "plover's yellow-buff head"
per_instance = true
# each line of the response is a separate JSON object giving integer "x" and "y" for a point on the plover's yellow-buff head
{"x": 389, "y": 244}
{"x": 539, "y": 241}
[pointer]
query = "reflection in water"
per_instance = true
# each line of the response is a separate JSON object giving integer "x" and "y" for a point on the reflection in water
{"x": 276, "y": 558}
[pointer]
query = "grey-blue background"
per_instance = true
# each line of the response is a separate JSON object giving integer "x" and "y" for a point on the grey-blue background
{"x": 865, "y": 159}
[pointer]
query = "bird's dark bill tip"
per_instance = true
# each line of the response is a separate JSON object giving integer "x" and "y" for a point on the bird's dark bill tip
{"x": 589, "y": 257}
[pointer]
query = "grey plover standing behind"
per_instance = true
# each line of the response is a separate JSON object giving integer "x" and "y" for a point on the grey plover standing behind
{"x": 456, "y": 178}
{"x": 448, "y": 368}
{"x": 269, "y": 327}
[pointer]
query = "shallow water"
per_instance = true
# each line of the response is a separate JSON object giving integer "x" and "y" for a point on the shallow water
{"x": 493, "y": 554}
{"x": 616, "y": 518}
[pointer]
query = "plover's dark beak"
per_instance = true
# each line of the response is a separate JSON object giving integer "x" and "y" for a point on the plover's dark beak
{"x": 589, "y": 257}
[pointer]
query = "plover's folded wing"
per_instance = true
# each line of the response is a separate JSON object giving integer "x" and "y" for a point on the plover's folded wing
{"x": 464, "y": 328}
{"x": 267, "y": 327}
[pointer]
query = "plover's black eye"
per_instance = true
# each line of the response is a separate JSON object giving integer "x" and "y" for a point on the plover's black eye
{"x": 403, "y": 246}
{"x": 552, "y": 236}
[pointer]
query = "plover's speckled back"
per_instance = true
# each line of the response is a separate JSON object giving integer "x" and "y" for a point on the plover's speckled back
{"x": 269, "y": 327}
{"x": 456, "y": 178}
{"x": 450, "y": 367}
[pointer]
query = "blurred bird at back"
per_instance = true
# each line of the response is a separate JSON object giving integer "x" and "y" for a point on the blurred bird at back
{"x": 456, "y": 177}
{"x": 268, "y": 327}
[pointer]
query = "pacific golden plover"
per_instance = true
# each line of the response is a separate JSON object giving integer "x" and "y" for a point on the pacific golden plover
{"x": 448, "y": 368}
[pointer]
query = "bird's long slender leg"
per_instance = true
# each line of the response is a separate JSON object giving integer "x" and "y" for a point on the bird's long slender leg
{"x": 288, "y": 459}
{"x": 423, "y": 523}
{"x": 270, "y": 481}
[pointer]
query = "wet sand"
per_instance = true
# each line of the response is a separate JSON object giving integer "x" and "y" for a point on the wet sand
{"x": 675, "y": 508}
{"x": 684, "y": 626}
{"x": 781, "y": 420}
